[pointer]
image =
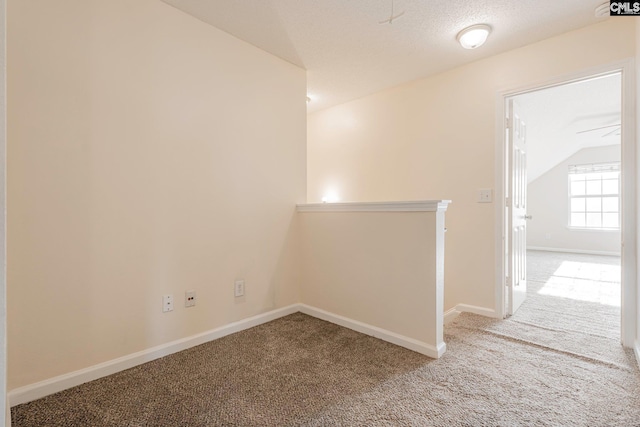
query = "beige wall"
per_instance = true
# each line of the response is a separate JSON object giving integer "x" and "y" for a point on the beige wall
{"x": 637, "y": 242}
{"x": 5, "y": 413}
{"x": 548, "y": 204}
{"x": 149, "y": 154}
{"x": 379, "y": 268}
{"x": 435, "y": 138}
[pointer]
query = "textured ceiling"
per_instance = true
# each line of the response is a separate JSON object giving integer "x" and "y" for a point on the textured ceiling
{"x": 565, "y": 119}
{"x": 348, "y": 54}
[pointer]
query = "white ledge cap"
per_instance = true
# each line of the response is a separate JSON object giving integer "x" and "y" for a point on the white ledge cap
{"x": 408, "y": 206}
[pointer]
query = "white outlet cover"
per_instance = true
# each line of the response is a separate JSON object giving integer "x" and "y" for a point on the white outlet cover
{"x": 167, "y": 303}
{"x": 190, "y": 298}
{"x": 239, "y": 288}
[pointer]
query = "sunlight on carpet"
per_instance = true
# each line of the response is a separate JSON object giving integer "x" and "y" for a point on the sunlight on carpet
{"x": 585, "y": 281}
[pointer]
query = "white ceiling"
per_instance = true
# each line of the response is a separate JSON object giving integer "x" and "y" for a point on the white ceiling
{"x": 348, "y": 54}
{"x": 565, "y": 119}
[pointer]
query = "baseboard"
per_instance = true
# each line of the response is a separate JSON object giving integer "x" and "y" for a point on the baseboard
{"x": 572, "y": 251}
{"x": 53, "y": 385}
{"x": 374, "y": 331}
{"x": 481, "y": 311}
{"x": 636, "y": 349}
{"x": 451, "y": 314}
{"x": 454, "y": 312}
{"x": 44, "y": 388}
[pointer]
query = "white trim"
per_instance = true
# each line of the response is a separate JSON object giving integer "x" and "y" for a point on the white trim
{"x": 572, "y": 251}
{"x": 374, "y": 331}
{"x": 500, "y": 245}
{"x": 629, "y": 219}
{"x": 636, "y": 349}
{"x": 407, "y": 206}
{"x": 454, "y": 312}
{"x": 481, "y": 311}
{"x": 450, "y": 315}
{"x": 62, "y": 382}
{"x": 593, "y": 230}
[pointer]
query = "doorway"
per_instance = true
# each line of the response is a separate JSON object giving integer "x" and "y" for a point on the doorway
{"x": 591, "y": 141}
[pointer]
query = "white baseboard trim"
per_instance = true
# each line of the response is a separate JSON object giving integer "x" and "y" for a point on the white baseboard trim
{"x": 636, "y": 349}
{"x": 44, "y": 388}
{"x": 374, "y": 331}
{"x": 572, "y": 251}
{"x": 481, "y": 311}
{"x": 53, "y": 385}
{"x": 454, "y": 312}
{"x": 451, "y": 314}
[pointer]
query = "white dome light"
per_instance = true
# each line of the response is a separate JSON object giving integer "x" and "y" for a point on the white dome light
{"x": 603, "y": 10}
{"x": 474, "y": 36}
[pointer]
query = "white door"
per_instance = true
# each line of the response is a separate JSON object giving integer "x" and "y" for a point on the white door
{"x": 517, "y": 208}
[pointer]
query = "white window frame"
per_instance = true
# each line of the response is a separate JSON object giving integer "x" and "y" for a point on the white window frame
{"x": 593, "y": 168}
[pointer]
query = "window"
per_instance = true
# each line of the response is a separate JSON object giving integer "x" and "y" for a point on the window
{"x": 594, "y": 196}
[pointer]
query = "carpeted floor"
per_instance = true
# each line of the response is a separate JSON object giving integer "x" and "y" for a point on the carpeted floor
{"x": 573, "y": 304}
{"x": 301, "y": 371}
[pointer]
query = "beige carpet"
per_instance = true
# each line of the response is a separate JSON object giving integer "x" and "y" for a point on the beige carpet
{"x": 301, "y": 371}
{"x": 572, "y": 305}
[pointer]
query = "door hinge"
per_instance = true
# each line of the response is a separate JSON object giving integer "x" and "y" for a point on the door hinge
{"x": 507, "y": 122}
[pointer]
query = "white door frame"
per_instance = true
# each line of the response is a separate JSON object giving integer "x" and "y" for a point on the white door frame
{"x": 629, "y": 188}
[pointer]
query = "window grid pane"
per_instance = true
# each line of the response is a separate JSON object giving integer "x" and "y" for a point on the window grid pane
{"x": 593, "y": 197}
{"x": 610, "y": 220}
{"x": 578, "y": 188}
{"x": 594, "y": 204}
{"x": 610, "y": 186}
{"x": 594, "y": 187}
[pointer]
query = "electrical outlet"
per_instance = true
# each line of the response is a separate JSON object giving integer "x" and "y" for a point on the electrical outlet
{"x": 239, "y": 288}
{"x": 167, "y": 303}
{"x": 190, "y": 298}
{"x": 485, "y": 195}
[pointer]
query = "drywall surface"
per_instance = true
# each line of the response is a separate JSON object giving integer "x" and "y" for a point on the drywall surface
{"x": 637, "y": 242}
{"x": 549, "y": 207}
{"x": 435, "y": 138}
{"x": 149, "y": 154}
{"x": 378, "y": 268}
{"x": 5, "y": 413}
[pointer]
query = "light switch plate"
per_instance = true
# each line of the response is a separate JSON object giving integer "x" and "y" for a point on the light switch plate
{"x": 238, "y": 290}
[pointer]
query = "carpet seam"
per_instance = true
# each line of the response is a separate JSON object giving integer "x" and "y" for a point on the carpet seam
{"x": 555, "y": 350}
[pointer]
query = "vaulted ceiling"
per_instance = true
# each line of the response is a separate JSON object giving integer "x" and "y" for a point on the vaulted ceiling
{"x": 565, "y": 119}
{"x": 348, "y": 53}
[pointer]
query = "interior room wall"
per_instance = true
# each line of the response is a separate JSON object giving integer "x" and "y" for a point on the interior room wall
{"x": 4, "y": 403}
{"x": 149, "y": 154}
{"x": 435, "y": 138}
{"x": 549, "y": 208}
{"x": 637, "y": 242}
{"x": 379, "y": 268}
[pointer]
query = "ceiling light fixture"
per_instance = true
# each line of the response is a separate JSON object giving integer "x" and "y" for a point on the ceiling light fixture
{"x": 473, "y": 36}
{"x": 602, "y": 11}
